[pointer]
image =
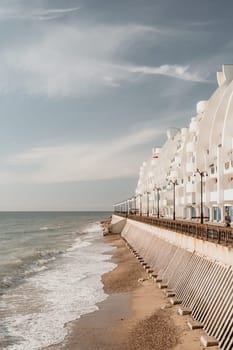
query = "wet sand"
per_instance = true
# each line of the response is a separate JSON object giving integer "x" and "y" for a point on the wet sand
{"x": 135, "y": 316}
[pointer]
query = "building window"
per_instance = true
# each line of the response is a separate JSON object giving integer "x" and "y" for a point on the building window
{"x": 230, "y": 210}
{"x": 194, "y": 214}
{"x": 217, "y": 214}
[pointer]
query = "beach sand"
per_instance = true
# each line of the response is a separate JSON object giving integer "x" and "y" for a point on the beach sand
{"x": 135, "y": 316}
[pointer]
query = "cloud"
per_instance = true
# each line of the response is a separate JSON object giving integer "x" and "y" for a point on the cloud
{"x": 77, "y": 162}
{"x": 79, "y": 59}
{"x": 69, "y": 60}
{"x": 175, "y": 71}
{"x": 25, "y": 13}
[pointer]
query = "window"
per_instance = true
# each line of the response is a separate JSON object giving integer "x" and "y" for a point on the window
{"x": 217, "y": 214}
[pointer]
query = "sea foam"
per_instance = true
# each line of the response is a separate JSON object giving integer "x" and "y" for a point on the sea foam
{"x": 63, "y": 293}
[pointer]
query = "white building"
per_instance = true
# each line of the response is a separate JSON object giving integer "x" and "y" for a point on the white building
{"x": 207, "y": 145}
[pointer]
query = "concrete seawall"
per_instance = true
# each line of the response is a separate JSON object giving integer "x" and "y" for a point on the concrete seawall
{"x": 199, "y": 273}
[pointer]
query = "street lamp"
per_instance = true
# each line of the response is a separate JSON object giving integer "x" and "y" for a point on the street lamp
{"x": 174, "y": 183}
{"x": 147, "y": 206}
{"x": 129, "y": 205}
{"x": 135, "y": 204}
{"x": 126, "y": 207}
{"x": 202, "y": 174}
{"x": 140, "y": 204}
{"x": 158, "y": 198}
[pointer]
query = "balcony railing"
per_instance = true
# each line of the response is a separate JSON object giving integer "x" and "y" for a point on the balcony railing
{"x": 207, "y": 232}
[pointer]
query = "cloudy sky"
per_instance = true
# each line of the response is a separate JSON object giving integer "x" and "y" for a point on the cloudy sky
{"x": 88, "y": 87}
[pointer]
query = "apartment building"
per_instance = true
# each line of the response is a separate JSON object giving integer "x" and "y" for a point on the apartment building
{"x": 192, "y": 173}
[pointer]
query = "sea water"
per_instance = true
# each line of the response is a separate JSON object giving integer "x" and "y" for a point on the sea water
{"x": 50, "y": 274}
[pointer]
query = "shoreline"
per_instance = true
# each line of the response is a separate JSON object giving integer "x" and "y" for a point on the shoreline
{"x": 134, "y": 316}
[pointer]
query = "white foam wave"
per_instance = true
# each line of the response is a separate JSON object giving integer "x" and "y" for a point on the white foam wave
{"x": 50, "y": 228}
{"x": 42, "y": 262}
{"x": 49, "y": 253}
{"x": 44, "y": 228}
{"x": 70, "y": 290}
{"x": 93, "y": 228}
{"x": 6, "y": 282}
{"x": 79, "y": 243}
{"x": 34, "y": 269}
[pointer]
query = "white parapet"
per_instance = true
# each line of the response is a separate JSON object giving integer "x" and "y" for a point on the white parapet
{"x": 190, "y": 167}
{"x": 201, "y": 106}
{"x": 228, "y": 194}
{"x": 213, "y": 196}
{"x": 189, "y": 147}
{"x": 190, "y": 188}
{"x": 220, "y": 78}
{"x": 228, "y": 72}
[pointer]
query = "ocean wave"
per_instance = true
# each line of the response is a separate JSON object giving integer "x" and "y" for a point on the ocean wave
{"x": 78, "y": 244}
{"x": 49, "y": 228}
{"x": 48, "y": 253}
{"x": 64, "y": 293}
{"x": 6, "y": 282}
{"x": 93, "y": 228}
{"x": 19, "y": 269}
{"x": 42, "y": 262}
{"x": 34, "y": 269}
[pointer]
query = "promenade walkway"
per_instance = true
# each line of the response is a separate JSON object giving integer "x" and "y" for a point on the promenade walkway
{"x": 211, "y": 232}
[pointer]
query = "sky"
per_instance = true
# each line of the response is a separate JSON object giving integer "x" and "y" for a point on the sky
{"x": 88, "y": 87}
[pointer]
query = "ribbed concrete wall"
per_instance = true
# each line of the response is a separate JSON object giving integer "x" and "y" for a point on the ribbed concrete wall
{"x": 202, "y": 283}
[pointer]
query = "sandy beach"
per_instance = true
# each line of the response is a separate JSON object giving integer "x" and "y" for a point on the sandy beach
{"x": 136, "y": 315}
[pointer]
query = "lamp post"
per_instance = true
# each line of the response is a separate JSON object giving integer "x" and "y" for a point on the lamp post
{"x": 126, "y": 207}
{"x": 158, "y": 198}
{"x": 174, "y": 183}
{"x": 135, "y": 204}
{"x": 154, "y": 201}
{"x": 147, "y": 206}
{"x": 129, "y": 205}
{"x": 148, "y": 203}
{"x": 140, "y": 204}
{"x": 202, "y": 174}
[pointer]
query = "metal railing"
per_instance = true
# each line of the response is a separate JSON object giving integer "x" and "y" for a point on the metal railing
{"x": 212, "y": 233}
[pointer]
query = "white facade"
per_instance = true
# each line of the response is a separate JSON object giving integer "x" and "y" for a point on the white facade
{"x": 207, "y": 145}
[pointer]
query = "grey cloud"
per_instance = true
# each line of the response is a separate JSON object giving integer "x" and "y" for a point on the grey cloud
{"x": 69, "y": 60}
{"x": 175, "y": 71}
{"x": 78, "y": 162}
{"x": 25, "y": 13}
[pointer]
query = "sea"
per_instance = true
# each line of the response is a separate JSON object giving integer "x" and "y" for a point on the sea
{"x": 51, "y": 265}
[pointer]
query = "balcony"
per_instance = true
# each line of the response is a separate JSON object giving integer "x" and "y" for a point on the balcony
{"x": 190, "y": 168}
{"x": 228, "y": 167}
{"x": 213, "y": 171}
{"x": 193, "y": 126}
{"x": 228, "y": 195}
{"x": 190, "y": 199}
{"x": 213, "y": 196}
{"x": 190, "y": 188}
{"x": 173, "y": 173}
{"x": 180, "y": 201}
{"x": 189, "y": 147}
